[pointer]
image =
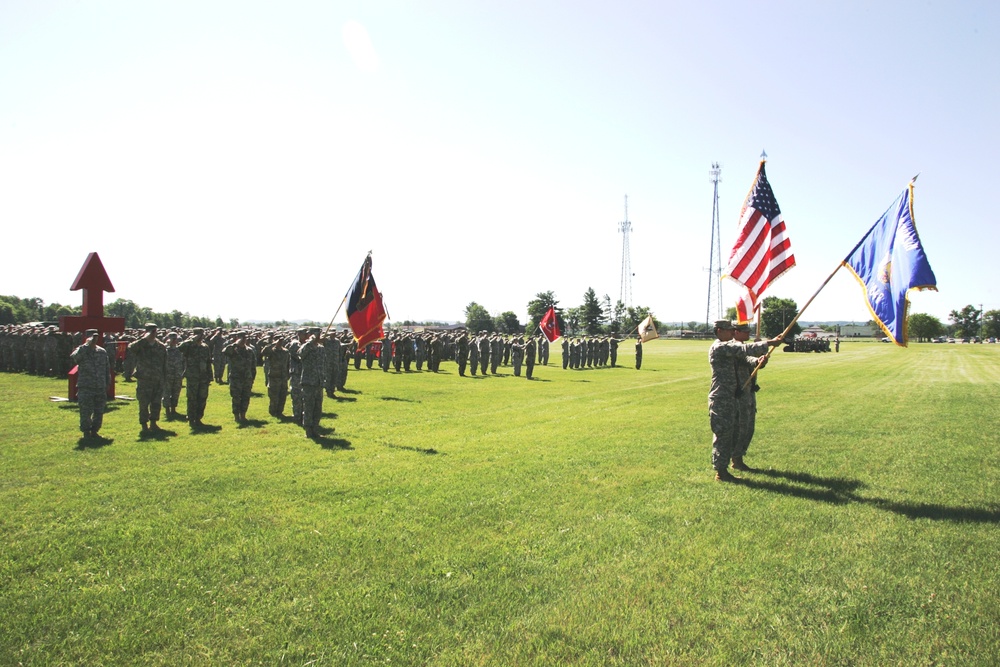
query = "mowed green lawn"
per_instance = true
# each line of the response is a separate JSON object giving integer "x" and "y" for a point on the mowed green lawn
{"x": 495, "y": 521}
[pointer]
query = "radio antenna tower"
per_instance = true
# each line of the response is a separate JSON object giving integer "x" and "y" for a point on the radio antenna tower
{"x": 625, "y": 227}
{"x": 715, "y": 253}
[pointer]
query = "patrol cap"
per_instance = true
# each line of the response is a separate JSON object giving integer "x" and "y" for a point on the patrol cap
{"x": 745, "y": 327}
{"x": 150, "y": 326}
{"x": 302, "y": 330}
{"x": 172, "y": 335}
{"x": 725, "y": 325}
{"x": 90, "y": 332}
{"x": 240, "y": 333}
{"x": 315, "y": 330}
{"x": 198, "y": 331}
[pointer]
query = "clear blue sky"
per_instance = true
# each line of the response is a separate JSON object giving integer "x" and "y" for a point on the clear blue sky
{"x": 240, "y": 158}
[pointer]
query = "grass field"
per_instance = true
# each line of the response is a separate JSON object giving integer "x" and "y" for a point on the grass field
{"x": 571, "y": 520}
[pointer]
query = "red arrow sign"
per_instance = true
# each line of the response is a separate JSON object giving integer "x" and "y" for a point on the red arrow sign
{"x": 94, "y": 282}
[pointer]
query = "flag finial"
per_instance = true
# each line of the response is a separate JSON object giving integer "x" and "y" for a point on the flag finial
{"x": 914, "y": 179}
{"x": 763, "y": 155}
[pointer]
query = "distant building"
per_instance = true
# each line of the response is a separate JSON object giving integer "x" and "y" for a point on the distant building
{"x": 856, "y": 331}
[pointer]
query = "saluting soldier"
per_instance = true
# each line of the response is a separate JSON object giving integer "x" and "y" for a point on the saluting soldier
{"x": 93, "y": 380}
{"x": 173, "y": 379}
{"x": 529, "y": 357}
{"x": 242, "y": 361}
{"x": 295, "y": 373}
{"x": 150, "y": 370}
{"x": 312, "y": 354}
{"x": 277, "y": 357}
{"x": 197, "y": 373}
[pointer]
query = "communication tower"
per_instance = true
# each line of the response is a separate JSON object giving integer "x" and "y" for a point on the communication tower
{"x": 715, "y": 253}
{"x": 625, "y": 227}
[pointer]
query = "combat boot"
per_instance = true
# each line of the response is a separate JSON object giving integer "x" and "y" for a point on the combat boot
{"x": 725, "y": 476}
{"x": 738, "y": 464}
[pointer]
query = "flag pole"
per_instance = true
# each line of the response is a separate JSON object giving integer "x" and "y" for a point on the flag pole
{"x": 332, "y": 319}
{"x": 791, "y": 324}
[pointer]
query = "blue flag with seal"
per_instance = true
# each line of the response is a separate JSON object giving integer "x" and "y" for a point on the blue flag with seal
{"x": 889, "y": 262}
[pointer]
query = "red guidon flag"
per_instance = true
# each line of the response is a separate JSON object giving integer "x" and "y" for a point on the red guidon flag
{"x": 762, "y": 251}
{"x": 365, "y": 310}
{"x": 549, "y": 325}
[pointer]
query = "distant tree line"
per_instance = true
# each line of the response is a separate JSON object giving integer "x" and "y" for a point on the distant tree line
{"x": 15, "y": 310}
{"x": 595, "y": 316}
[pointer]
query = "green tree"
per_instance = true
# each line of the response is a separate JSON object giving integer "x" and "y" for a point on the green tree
{"x": 7, "y": 312}
{"x": 573, "y": 319}
{"x": 618, "y": 317}
{"x": 477, "y": 318}
{"x": 126, "y": 309}
{"x": 506, "y": 322}
{"x": 591, "y": 312}
{"x": 776, "y": 313}
{"x": 923, "y": 327}
{"x": 966, "y": 321}
{"x": 991, "y": 323}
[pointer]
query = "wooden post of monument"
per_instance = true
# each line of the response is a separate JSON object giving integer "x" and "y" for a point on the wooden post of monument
{"x": 94, "y": 282}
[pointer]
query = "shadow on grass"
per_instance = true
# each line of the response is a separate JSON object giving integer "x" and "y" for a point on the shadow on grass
{"x": 400, "y": 400}
{"x": 326, "y": 440}
{"x": 110, "y": 407}
{"x": 93, "y": 442}
{"x": 343, "y": 399}
{"x": 350, "y": 391}
{"x": 840, "y": 491}
{"x": 419, "y": 450}
{"x": 160, "y": 435}
{"x": 253, "y": 423}
{"x": 204, "y": 429}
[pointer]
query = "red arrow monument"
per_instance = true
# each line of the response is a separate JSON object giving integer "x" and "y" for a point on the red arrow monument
{"x": 94, "y": 282}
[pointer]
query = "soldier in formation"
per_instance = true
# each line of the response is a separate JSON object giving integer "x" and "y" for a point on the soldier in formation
{"x": 241, "y": 360}
{"x": 197, "y": 374}
{"x": 150, "y": 356}
{"x": 174, "y": 376}
{"x": 312, "y": 358}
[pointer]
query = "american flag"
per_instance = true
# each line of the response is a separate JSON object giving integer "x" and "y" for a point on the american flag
{"x": 762, "y": 251}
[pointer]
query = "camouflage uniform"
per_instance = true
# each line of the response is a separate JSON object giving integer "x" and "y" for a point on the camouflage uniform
{"x": 517, "y": 357}
{"x": 529, "y": 357}
{"x": 150, "y": 357}
{"x": 462, "y": 354}
{"x": 92, "y": 383}
{"x": 473, "y": 355}
{"x": 277, "y": 357}
{"x": 242, "y": 361}
{"x": 725, "y": 358}
{"x": 484, "y": 353}
{"x": 295, "y": 374}
{"x": 198, "y": 374}
{"x": 312, "y": 356}
{"x": 174, "y": 377}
